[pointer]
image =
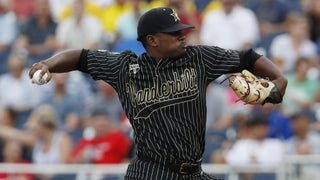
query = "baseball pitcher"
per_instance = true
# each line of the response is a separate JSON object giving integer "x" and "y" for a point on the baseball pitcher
{"x": 163, "y": 91}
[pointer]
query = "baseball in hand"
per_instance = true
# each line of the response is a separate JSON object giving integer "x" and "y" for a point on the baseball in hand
{"x": 39, "y": 80}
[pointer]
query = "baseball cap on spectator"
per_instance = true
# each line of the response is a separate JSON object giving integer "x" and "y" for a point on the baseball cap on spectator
{"x": 158, "y": 20}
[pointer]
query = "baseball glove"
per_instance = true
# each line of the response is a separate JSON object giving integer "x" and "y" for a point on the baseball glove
{"x": 253, "y": 90}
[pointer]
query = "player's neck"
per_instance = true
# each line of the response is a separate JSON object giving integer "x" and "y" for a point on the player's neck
{"x": 155, "y": 56}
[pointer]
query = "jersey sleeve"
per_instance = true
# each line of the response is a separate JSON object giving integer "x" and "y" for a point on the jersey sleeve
{"x": 102, "y": 64}
{"x": 219, "y": 61}
{"x": 248, "y": 58}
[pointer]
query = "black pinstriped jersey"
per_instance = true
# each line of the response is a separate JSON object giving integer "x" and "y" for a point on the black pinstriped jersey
{"x": 165, "y": 101}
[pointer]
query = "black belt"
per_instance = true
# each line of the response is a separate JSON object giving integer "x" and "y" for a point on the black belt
{"x": 181, "y": 167}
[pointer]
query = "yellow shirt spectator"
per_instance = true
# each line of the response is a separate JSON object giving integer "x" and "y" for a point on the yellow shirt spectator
{"x": 213, "y": 5}
{"x": 157, "y": 3}
{"x": 111, "y": 14}
{"x": 90, "y": 8}
{"x": 191, "y": 7}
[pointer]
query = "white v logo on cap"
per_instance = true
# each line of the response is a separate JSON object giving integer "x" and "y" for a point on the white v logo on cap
{"x": 175, "y": 16}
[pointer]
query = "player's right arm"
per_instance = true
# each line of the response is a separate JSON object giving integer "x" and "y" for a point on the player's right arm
{"x": 64, "y": 61}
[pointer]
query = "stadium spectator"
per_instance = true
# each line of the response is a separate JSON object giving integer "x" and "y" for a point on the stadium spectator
{"x": 218, "y": 115}
{"x": 49, "y": 145}
{"x": 219, "y": 121}
{"x": 23, "y": 9}
{"x": 301, "y": 90}
{"x": 80, "y": 30}
{"x": 92, "y": 7}
{"x": 316, "y": 110}
{"x": 13, "y": 153}
{"x": 305, "y": 141}
{"x": 213, "y": 5}
{"x": 104, "y": 144}
{"x": 109, "y": 17}
{"x": 16, "y": 90}
{"x": 37, "y": 35}
{"x": 201, "y": 4}
{"x": 7, "y": 119}
{"x": 218, "y": 27}
{"x": 295, "y": 5}
{"x": 314, "y": 16}
{"x": 279, "y": 124}
{"x": 106, "y": 98}
{"x": 252, "y": 147}
{"x": 271, "y": 16}
{"x": 57, "y": 8}
{"x": 8, "y": 34}
{"x": 240, "y": 131}
{"x": 63, "y": 101}
{"x": 127, "y": 22}
{"x": 257, "y": 148}
{"x": 306, "y": 5}
{"x": 7, "y": 116}
{"x": 126, "y": 28}
{"x": 288, "y": 47}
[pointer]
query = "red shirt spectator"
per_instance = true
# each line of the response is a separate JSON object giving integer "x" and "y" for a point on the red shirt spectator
{"x": 102, "y": 142}
{"x": 111, "y": 148}
{"x": 24, "y": 176}
{"x": 23, "y": 9}
{"x": 12, "y": 153}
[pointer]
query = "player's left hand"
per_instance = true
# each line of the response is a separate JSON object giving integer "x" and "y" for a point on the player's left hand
{"x": 253, "y": 90}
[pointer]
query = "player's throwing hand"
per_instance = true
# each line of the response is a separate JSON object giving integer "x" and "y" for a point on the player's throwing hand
{"x": 39, "y": 74}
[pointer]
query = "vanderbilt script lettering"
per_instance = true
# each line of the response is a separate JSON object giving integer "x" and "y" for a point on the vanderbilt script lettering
{"x": 184, "y": 83}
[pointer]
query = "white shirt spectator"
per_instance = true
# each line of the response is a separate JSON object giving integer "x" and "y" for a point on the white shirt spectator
{"x": 20, "y": 93}
{"x": 247, "y": 151}
{"x": 8, "y": 31}
{"x": 312, "y": 140}
{"x": 229, "y": 31}
{"x": 57, "y": 7}
{"x": 52, "y": 156}
{"x": 282, "y": 47}
{"x": 80, "y": 35}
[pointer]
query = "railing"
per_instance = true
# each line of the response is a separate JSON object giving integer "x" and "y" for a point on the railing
{"x": 292, "y": 168}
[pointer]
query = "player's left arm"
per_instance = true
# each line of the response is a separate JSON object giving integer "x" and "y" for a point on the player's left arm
{"x": 265, "y": 68}
{"x": 265, "y": 83}
{"x": 262, "y": 67}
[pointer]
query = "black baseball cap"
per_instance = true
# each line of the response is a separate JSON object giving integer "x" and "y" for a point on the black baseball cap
{"x": 157, "y": 20}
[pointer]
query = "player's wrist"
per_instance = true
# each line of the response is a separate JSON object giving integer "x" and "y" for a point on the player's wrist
{"x": 281, "y": 84}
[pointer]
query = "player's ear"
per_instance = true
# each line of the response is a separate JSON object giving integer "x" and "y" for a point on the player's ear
{"x": 152, "y": 40}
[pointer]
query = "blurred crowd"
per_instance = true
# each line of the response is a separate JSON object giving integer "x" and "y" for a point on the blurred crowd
{"x": 74, "y": 119}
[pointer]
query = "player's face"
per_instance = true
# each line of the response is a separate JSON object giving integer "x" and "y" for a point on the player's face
{"x": 171, "y": 44}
